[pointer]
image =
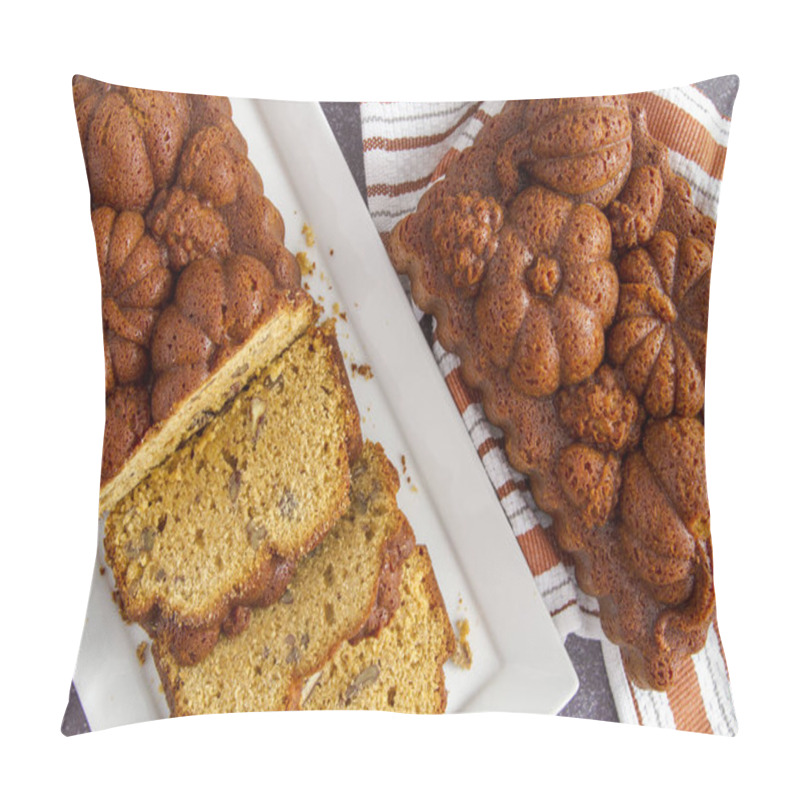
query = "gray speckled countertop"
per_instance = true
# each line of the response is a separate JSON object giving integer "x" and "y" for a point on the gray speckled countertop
{"x": 593, "y": 699}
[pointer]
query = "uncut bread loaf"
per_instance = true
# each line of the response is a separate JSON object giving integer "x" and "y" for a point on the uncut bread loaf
{"x": 220, "y": 524}
{"x": 401, "y": 669}
{"x": 568, "y": 268}
{"x": 330, "y": 600}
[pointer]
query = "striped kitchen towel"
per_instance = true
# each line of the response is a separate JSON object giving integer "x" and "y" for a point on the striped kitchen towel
{"x": 407, "y": 147}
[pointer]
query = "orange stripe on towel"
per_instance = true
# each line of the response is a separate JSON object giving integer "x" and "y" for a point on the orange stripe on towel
{"x": 634, "y": 699}
{"x": 721, "y": 649}
{"x": 396, "y": 189}
{"x": 487, "y": 446}
{"x": 682, "y": 133}
{"x": 449, "y": 157}
{"x": 686, "y": 700}
{"x": 462, "y": 394}
{"x": 416, "y": 142}
{"x": 507, "y": 488}
{"x": 538, "y": 550}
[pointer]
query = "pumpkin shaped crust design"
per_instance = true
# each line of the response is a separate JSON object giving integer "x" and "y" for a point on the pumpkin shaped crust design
{"x": 214, "y": 165}
{"x": 581, "y": 446}
{"x": 464, "y": 228}
{"x": 659, "y": 336}
{"x": 549, "y": 293}
{"x": 127, "y": 421}
{"x": 135, "y": 283}
{"x": 601, "y": 411}
{"x": 132, "y": 140}
{"x": 580, "y": 147}
{"x": 634, "y": 214}
{"x": 590, "y": 481}
{"x": 216, "y": 306}
{"x": 664, "y": 508}
{"x": 188, "y": 228}
{"x": 215, "y": 169}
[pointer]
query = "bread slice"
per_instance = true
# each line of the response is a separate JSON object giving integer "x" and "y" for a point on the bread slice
{"x": 293, "y": 314}
{"x": 402, "y": 668}
{"x": 225, "y": 516}
{"x": 329, "y": 600}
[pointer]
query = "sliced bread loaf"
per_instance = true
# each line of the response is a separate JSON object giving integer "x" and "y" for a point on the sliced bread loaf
{"x": 221, "y": 522}
{"x": 401, "y": 669}
{"x": 330, "y": 599}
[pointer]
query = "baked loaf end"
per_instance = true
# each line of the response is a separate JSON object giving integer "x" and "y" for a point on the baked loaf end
{"x": 328, "y": 601}
{"x": 402, "y": 668}
{"x": 265, "y": 480}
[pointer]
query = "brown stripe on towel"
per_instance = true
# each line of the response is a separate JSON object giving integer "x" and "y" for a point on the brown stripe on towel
{"x": 416, "y": 142}
{"x": 686, "y": 699}
{"x": 683, "y": 133}
{"x": 538, "y": 550}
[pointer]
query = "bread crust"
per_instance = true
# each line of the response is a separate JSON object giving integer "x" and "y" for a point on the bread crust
{"x": 654, "y": 636}
{"x": 190, "y": 644}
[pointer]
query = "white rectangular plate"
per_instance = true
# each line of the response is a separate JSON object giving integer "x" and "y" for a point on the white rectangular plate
{"x": 519, "y": 661}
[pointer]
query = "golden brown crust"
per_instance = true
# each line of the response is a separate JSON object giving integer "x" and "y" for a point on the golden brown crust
{"x": 216, "y": 307}
{"x": 633, "y": 216}
{"x": 437, "y": 603}
{"x": 580, "y": 147}
{"x": 374, "y": 617}
{"x": 188, "y": 229}
{"x": 659, "y": 335}
{"x": 132, "y": 139}
{"x": 387, "y": 599}
{"x": 550, "y": 293}
{"x": 135, "y": 284}
{"x": 127, "y": 423}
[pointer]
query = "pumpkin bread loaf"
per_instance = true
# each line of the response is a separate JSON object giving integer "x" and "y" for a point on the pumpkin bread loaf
{"x": 199, "y": 292}
{"x": 328, "y": 601}
{"x": 569, "y": 270}
{"x": 401, "y": 669}
{"x": 221, "y": 523}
